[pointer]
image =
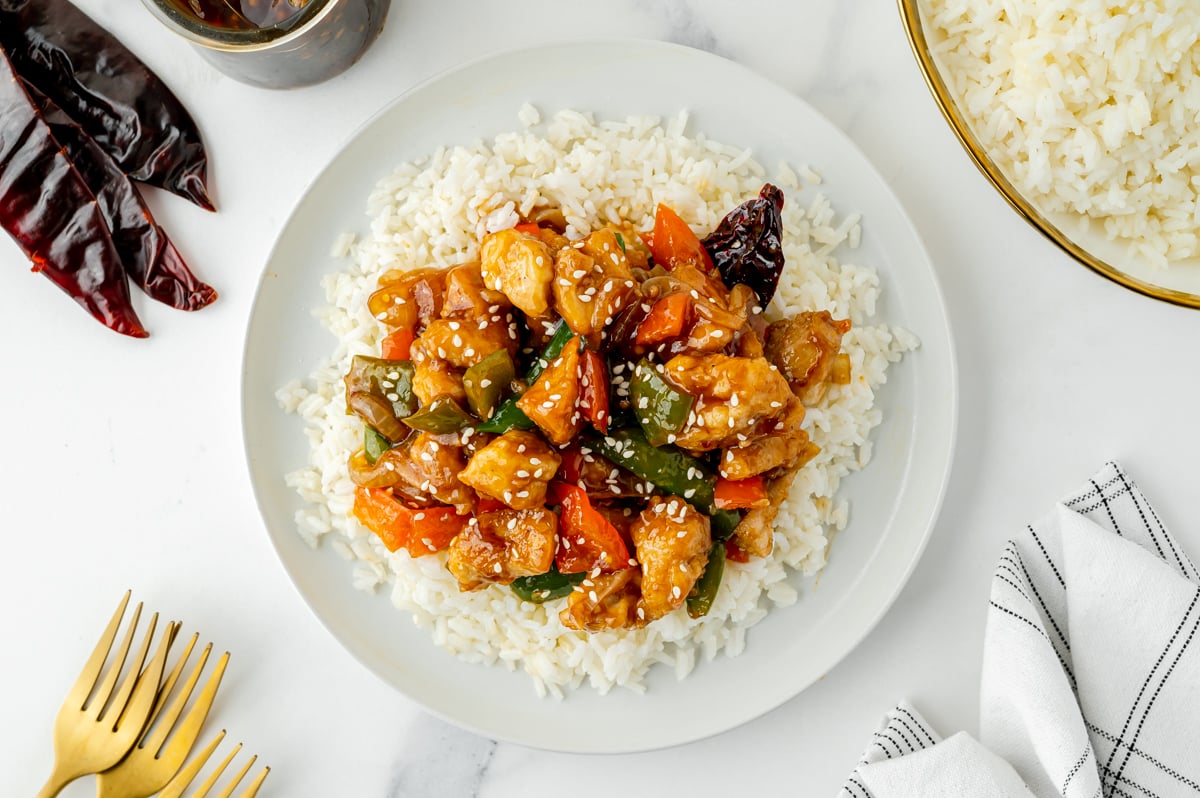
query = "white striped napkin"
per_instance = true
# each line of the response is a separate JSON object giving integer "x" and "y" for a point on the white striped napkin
{"x": 1091, "y": 668}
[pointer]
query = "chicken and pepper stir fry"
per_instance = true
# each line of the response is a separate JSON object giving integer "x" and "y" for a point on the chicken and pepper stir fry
{"x": 605, "y": 419}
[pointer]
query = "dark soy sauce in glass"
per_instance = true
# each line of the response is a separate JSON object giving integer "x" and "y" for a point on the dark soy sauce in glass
{"x": 277, "y": 43}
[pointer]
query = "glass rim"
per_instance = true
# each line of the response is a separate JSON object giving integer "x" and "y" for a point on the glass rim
{"x": 212, "y": 37}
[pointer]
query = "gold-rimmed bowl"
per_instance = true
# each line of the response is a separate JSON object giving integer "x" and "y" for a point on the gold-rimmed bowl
{"x": 1178, "y": 283}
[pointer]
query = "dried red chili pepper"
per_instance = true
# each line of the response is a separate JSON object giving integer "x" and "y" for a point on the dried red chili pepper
{"x": 747, "y": 246}
{"x": 149, "y": 257}
{"x": 105, "y": 88}
{"x": 46, "y": 206}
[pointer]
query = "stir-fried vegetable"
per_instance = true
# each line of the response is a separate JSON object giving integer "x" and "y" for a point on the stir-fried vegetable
{"x": 421, "y": 531}
{"x": 398, "y": 345}
{"x": 670, "y": 470}
{"x": 586, "y": 539}
{"x": 660, "y": 408}
{"x": 741, "y": 494}
{"x": 374, "y": 444}
{"x": 673, "y": 242}
{"x": 546, "y": 587}
{"x": 380, "y": 392}
{"x": 440, "y": 416}
{"x": 593, "y": 397}
{"x": 668, "y": 317}
{"x": 487, "y": 381}
{"x": 700, "y": 600}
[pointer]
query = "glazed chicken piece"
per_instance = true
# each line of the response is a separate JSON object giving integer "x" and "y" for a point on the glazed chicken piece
{"x": 604, "y": 602}
{"x": 515, "y": 468}
{"x": 737, "y": 399}
{"x": 786, "y": 446}
{"x": 468, "y": 298}
{"x": 521, "y": 266}
{"x": 448, "y": 347}
{"x": 422, "y": 470}
{"x": 433, "y": 378}
{"x": 600, "y": 477}
{"x": 501, "y": 545}
{"x": 409, "y": 299}
{"x": 805, "y": 348}
{"x": 551, "y": 402}
{"x": 755, "y": 534}
{"x": 672, "y": 540}
{"x": 592, "y": 283}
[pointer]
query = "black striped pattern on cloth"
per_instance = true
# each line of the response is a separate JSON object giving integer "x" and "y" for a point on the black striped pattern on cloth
{"x": 904, "y": 731}
{"x": 1132, "y": 729}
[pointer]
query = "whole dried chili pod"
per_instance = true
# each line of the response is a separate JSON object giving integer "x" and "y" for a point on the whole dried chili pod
{"x": 149, "y": 257}
{"x": 46, "y": 206}
{"x": 113, "y": 96}
{"x": 747, "y": 246}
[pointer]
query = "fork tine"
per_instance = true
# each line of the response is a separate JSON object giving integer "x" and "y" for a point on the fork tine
{"x": 116, "y": 702}
{"x": 144, "y": 690}
{"x": 165, "y": 722}
{"x": 237, "y": 779}
{"x": 91, "y": 671}
{"x": 185, "y": 735}
{"x": 211, "y": 781}
{"x": 184, "y": 778}
{"x": 168, "y": 685}
{"x": 187, "y": 775}
{"x": 252, "y": 789}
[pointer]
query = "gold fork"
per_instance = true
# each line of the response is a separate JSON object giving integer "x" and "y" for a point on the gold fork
{"x": 185, "y": 777}
{"x": 97, "y": 725}
{"x": 155, "y": 759}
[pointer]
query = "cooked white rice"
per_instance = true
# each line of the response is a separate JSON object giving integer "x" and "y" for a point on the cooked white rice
{"x": 434, "y": 211}
{"x": 1087, "y": 106}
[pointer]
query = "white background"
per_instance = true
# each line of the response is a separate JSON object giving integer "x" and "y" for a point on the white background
{"x": 123, "y": 468}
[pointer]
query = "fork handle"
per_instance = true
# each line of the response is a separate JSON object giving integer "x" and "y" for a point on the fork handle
{"x": 57, "y": 781}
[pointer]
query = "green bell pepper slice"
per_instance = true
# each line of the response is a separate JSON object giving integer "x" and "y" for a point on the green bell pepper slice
{"x": 669, "y": 469}
{"x": 374, "y": 444}
{"x": 441, "y": 416}
{"x": 661, "y": 409}
{"x": 704, "y": 592}
{"x": 487, "y": 381}
{"x": 380, "y": 393}
{"x": 547, "y": 586}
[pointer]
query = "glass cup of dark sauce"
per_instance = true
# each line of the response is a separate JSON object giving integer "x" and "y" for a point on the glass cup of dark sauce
{"x": 276, "y": 44}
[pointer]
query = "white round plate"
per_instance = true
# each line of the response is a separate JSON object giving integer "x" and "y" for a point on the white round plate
{"x": 894, "y": 501}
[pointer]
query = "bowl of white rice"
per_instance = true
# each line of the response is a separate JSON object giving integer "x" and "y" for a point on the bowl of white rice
{"x": 461, "y": 155}
{"x": 1083, "y": 116}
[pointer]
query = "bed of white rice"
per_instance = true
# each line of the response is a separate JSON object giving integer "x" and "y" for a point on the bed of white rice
{"x": 433, "y": 212}
{"x": 1088, "y": 106}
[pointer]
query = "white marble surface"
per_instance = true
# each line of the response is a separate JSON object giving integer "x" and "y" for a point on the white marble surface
{"x": 123, "y": 463}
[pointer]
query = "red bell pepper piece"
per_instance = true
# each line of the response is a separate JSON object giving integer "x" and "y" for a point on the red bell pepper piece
{"x": 740, "y": 494}
{"x": 432, "y": 529}
{"x": 586, "y": 539}
{"x": 735, "y": 553}
{"x": 666, "y": 319}
{"x": 593, "y": 399}
{"x": 420, "y": 531}
{"x": 398, "y": 345}
{"x": 672, "y": 241}
{"x": 528, "y": 228}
